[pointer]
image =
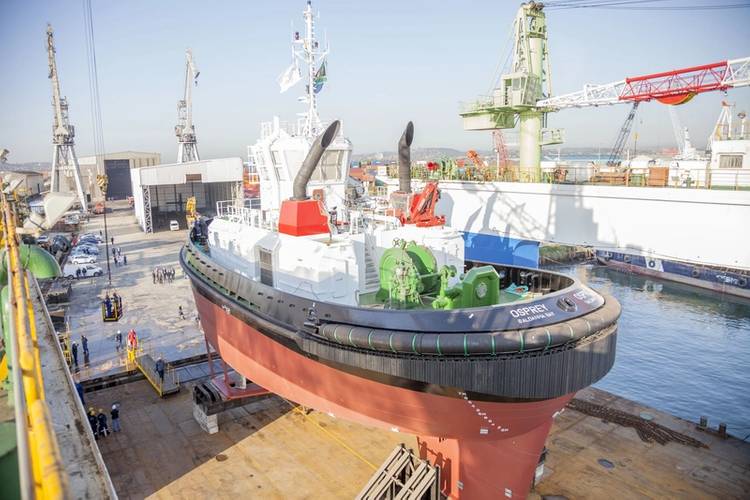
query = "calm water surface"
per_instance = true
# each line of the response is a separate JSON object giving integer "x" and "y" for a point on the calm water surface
{"x": 679, "y": 349}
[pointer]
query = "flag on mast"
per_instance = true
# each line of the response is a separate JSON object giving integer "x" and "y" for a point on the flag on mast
{"x": 320, "y": 78}
{"x": 289, "y": 77}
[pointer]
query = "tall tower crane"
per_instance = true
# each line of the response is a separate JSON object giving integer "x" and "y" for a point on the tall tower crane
{"x": 64, "y": 159}
{"x": 520, "y": 90}
{"x": 185, "y": 129}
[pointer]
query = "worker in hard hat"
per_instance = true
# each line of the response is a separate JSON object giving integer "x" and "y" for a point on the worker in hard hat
{"x": 102, "y": 422}
{"x": 118, "y": 340}
{"x": 115, "y": 414}
{"x": 91, "y": 415}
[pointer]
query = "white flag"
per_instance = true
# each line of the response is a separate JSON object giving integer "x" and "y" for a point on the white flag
{"x": 290, "y": 77}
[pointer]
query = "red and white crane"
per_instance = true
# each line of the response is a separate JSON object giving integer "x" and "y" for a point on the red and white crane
{"x": 670, "y": 87}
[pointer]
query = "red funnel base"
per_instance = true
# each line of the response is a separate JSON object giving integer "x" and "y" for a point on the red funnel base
{"x": 481, "y": 469}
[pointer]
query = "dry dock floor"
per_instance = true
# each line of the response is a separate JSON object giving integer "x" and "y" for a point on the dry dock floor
{"x": 268, "y": 450}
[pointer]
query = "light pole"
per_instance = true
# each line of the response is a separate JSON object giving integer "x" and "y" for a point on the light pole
{"x": 103, "y": 182}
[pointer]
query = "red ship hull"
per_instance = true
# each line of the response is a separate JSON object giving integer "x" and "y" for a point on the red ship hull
{"x": 485, "y": 449}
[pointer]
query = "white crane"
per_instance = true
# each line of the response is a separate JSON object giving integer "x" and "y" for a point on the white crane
{"x": 185, "y": 130}
{"x": 64, "y": 159}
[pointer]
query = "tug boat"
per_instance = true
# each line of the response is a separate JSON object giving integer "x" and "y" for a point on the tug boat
{"x": 375, "y": 316}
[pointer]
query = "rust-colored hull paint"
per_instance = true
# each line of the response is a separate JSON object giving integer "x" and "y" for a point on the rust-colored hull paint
{"x": 486, "y": 449}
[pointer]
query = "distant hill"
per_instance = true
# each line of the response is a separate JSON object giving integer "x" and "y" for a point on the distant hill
{"x": 417, "y": 154}
{"x": 35, "y": 166}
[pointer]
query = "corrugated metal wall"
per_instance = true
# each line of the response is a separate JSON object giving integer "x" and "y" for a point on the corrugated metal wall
{"x": 168, "y": 202}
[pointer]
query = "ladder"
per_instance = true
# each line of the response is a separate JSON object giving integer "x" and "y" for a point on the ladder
{"x": 403, "y": 476}
{"x": 372, "y": 277}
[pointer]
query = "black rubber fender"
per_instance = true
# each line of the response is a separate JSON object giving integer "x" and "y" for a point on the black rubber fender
{"x": 473, "y": 343}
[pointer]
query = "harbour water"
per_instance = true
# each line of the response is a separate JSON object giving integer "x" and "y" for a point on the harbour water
{"x": 680, "y": 349}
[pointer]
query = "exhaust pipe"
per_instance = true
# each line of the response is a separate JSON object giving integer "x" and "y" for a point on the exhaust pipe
{"x": 299, "y": 192}
{"x": 404, "y": 159}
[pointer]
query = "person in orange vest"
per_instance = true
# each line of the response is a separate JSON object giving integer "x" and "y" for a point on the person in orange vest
{"x": 132, "y": 339}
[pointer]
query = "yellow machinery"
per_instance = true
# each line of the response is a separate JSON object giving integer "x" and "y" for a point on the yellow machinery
{"x": 190, "y": 213}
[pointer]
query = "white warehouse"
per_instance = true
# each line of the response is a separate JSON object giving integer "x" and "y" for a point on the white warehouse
{"x": 161, "y": 191}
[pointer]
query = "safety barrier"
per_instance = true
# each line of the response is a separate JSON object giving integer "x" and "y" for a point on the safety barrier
{"x": 41, "y": 471}
{"x": 141, "y": 357}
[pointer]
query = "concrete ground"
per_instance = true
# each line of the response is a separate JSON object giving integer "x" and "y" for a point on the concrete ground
{"x": 152, "y": 309}
{"x": 262, "y": 450}
{"x": 268, "y": 450}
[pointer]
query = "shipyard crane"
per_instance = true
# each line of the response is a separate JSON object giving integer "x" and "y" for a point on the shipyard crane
{"x": 524, "y": 95}
{"x": 185, "y": 129}
{"x": 501, "y": 152}
{"x": 670, "y": 87}
{"x": 64, "y": 159}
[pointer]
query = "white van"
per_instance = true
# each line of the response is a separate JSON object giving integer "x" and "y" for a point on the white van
{"x": 87, "y": 270}
{"x": 174, "y": 225}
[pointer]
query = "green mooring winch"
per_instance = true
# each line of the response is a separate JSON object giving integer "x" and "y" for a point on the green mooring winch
{"x": 410, "y": 278}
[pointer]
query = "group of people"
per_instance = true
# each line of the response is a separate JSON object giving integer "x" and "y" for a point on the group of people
{"x": 74, "y": 350}
{"x": 81, "y": 272}
{"x": 163, "y": 275}
{"x": 113, "y": 305}
{"x": 118, "y": 257}
{"x": 99, "y": 423}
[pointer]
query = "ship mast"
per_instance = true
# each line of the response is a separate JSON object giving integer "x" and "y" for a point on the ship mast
{"x": 308, "y": 50}
{"x": 185, "y": 129}
{"x": 64, "y": 159}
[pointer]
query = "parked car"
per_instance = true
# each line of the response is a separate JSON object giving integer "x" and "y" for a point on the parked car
{"x": 87, "y": 236}
{"x": 82, "y": 259}
{"x": 59, "y": 244}
{"x": 84, "y": 249}
{"x": 69, "y": 271}
{"x": 42, "y": 239}
{"x": 88, "y": 239}
{"x": 174, "y": 225}
{"x": 72, "y": 220}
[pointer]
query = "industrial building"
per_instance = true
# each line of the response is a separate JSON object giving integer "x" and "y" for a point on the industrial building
{"x": 25, "y": 182}
{"x": 161, "y": 191}
{"x": 117, "y": 166}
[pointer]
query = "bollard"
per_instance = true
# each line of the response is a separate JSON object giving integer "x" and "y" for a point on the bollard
{"x": 723, "y": 430}
{"x": 703, "y": 423}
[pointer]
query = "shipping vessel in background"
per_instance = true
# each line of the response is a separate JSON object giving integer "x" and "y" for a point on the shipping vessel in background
{"x": 374, "y": 315}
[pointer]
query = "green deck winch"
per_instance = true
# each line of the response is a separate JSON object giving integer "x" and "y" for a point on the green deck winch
{"x": 407, "y": 271}
{"x": 479, "y": 288}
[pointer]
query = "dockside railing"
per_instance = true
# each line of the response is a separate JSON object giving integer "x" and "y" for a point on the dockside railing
{"x": 42, "y": 473}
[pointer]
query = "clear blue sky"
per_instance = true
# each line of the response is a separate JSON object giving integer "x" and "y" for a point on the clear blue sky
{"x": 391, "y": 61}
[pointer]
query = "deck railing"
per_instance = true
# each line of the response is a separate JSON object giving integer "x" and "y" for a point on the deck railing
{"x": 235, "y": 211}
{"x": 653, "y": 176}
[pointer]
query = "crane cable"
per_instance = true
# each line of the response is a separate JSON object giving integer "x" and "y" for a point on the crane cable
{"x": 94, "y": 99}
{"x": 637, "y": 5}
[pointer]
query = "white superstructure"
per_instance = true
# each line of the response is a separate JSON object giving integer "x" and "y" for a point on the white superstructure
{"x": 282, "y": 146}
{"x": 338, "y": 268}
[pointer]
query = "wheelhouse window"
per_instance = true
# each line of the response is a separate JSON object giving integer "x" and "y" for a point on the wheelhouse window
{"x": 730, "y": 161}
{"x": 278, "y": 165}
{"x": 261, "y": 166}
{"x": 329, "y": 168}
{"x": 266, "y": 266}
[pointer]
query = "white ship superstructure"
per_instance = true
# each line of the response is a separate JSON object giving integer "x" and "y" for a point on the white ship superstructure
{"x": 278, "y": 154}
